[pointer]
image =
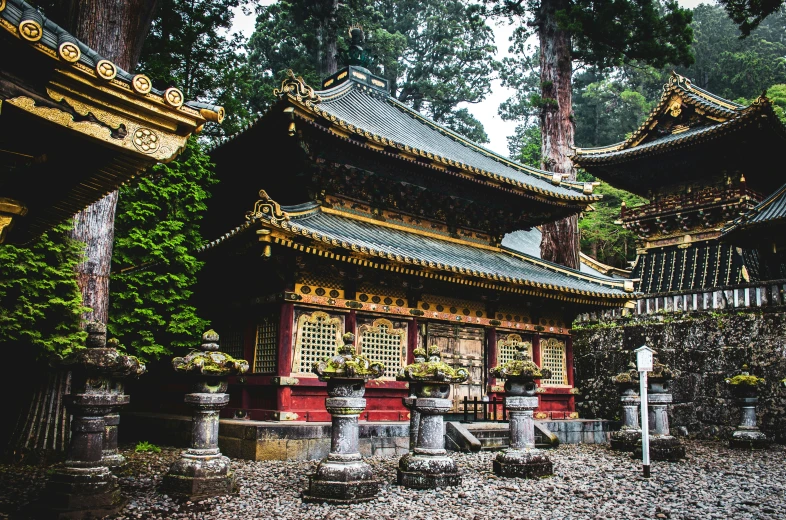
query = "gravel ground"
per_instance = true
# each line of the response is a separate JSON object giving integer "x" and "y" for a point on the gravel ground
{"x": 590, "y": 481}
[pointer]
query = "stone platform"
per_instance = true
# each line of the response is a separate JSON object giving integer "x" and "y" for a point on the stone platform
{"x": 290, "y": 440}
{"x": 262, "y": 440}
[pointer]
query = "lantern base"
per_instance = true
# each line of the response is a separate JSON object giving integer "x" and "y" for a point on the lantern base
{"x": 625, "y": 440}
{"x": 195, "y": 477}
{"x": 417, "y": 471}
{"x": 664, "y": 448}
{"x": 744, "y": 439}
{"x": 76, "y": 493}
{"x": 526, "y": 463}
{"x": 345, "y": 481}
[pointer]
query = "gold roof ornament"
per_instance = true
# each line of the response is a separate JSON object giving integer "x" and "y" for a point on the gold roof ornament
{"x": 267, "y": 208}
{"x": 296, "y": 87}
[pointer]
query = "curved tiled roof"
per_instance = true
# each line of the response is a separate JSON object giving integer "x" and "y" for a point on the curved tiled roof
{"x": 27, "y": 23}
{"x": 771, "y": 210}
{"x": 390, "y": 242}
{"x": 722, "y": 110}
{"x": 364, "y": 110}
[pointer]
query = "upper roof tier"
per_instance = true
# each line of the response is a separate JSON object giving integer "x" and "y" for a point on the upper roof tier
{"x": 690, "y": 135}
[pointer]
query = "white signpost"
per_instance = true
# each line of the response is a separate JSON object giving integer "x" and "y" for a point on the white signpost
{"x": 644, "y": 365}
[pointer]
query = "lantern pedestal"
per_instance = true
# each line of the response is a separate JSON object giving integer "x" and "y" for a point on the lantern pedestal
{"x": 522, "y": 459}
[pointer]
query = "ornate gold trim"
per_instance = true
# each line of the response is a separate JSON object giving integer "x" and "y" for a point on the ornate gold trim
{"x": 141, "y": 84}
{"x": 106, "y": 70}
{"x": 9, "y": 210}
{"x": 266, "y": 206}
{"x": 555, "y": 343}
{"x": 2, "y": 5}
{"x": 30, "y": 30}
{"x": 174, "y": 97}
{"x": 296, "y": 87}
{"x": 69, "y": 51}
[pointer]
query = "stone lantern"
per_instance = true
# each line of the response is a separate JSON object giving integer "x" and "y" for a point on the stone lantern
{"x": 522, "y": 459}
{"x": 342, "y": 477}
{"x": 629, "y": 434}
{"x": 428, "y": 466}
{"x": 202, "y": 471}
{"x": 663, "y": 446}
{"x": 409, "y": 403}
{"x": 745, "y": 388}
{"x": 84, "y": 487}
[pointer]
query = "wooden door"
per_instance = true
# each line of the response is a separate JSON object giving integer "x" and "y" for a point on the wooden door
{"x": 462, "y": 346}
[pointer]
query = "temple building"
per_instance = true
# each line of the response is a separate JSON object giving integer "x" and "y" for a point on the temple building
{"x": 701, "y": 161}
{"x": 73, "y": 125}
{"x": 376, "y": 220}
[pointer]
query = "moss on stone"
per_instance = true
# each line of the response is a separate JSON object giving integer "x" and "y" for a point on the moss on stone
{"x": 519, "y": 368}
{"x": 210, "y": 364}
{"x": 745, "y": 380}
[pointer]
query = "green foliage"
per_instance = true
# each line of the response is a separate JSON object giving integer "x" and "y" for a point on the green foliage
{"x": 146, "y": 447}
{"x": 601, "y": 238}
{"x": 189, "y": 47}
{"x": 777, "y": 94}
{"x": 748, "y": 14}
{"x": 735, "y": 67}
{"x": 524, "y": 145}
{"x": 40, "y": 302}
{"x": 745, "y": 380}
{"x": 435, "y": 54}
{"x": 154, "y": 267}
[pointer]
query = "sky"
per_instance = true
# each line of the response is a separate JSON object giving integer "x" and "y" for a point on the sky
{"x": 487, "y": 110}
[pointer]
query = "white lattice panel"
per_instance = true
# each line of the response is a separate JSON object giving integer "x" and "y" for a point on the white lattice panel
{"x": 552, "y": 356}
{"x": 385, "y": 344}
{"x": 318, "y": 336}
{"x": 507, "y": 346}
{"x": 266, "y": 345}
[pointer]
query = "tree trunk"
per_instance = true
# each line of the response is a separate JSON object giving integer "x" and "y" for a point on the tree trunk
{"x": 115, "y": 29}
{"x": 560, "y": 239}
{"x": 327, "y": 52}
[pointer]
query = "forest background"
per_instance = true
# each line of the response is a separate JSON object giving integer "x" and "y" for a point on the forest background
{"x": 438, "y": 56}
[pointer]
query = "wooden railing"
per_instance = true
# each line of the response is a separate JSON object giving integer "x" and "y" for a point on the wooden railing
{"x": 748, "y": 295}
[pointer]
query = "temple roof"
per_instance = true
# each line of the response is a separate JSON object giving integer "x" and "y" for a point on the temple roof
{"x": 345, "y": 236}
{"x": 704, "y": 133}
{"x": 357, "y": 106}
{"x": 764, "y": 219}
{"x": 75, "y": 126}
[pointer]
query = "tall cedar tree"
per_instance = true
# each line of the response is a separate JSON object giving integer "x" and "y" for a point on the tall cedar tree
{"x": 596, "y": 32}
{"x": 154, "y": 268}
{"x": 436, "y": 54}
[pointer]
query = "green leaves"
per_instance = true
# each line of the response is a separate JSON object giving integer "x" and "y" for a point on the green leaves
{"x": 154, "y": 267}
{"x": 40, "y": 302}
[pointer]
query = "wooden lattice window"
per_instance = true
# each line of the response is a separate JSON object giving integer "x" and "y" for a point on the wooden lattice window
{"x": 317, "y": 337}
{"x": 507, "y": 346}
{"x": 380, "y": 341}
{"x": 266, "y": 345}
{"x": 231, "y": 342}
{"x": 552, "y": 356}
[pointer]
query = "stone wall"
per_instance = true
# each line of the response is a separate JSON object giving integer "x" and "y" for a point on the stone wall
{"x": 705, "y": 347}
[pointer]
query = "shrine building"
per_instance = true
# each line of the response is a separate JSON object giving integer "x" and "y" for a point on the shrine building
{"x": 701, "y": 161}
{"x": 376, "y": 220}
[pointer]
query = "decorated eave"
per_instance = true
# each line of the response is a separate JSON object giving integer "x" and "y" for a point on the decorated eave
{"x": 669, "y": 129}
{"x": 347, "y": 237}
{"x": 58, "y": 96}
{"x": 764, "y": 224}
{"x": 356, "y": 107}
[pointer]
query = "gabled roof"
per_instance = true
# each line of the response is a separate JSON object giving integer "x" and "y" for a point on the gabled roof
{"x": 767, "y": 217}
{"x": 350, "y": 237}
{"x": 357, "y": 106}
{"x": 712, "y": 116}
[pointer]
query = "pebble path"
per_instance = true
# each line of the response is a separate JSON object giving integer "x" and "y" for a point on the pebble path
{"x": 590, "y": 481}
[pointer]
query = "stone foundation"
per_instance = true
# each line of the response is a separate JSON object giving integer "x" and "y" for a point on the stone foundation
{"x": 704, "y": 347}
{"x": 522, "y": 464}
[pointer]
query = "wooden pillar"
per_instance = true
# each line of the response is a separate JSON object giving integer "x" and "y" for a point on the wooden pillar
{"x": 351, "y": 323}
{"x": 412, "y": 340}
{"x": 536, "y": 349}
{"x": 491, "y": 352}
{"x": 284, "y": 368}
